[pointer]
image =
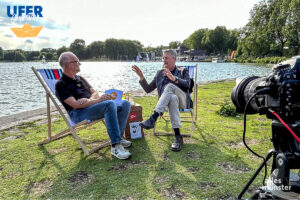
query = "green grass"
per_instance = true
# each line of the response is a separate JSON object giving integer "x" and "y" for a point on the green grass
{"x": 213, "y": 164}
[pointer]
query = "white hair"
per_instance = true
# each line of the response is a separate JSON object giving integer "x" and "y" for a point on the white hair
{"x": 64, "y": 58}
{"x": 171, "y": 51}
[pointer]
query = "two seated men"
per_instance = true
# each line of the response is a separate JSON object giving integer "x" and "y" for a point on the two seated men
{"x": 83, "y": 102}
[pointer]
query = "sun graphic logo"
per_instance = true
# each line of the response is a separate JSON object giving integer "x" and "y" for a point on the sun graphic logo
{"x": 113, "y": 95}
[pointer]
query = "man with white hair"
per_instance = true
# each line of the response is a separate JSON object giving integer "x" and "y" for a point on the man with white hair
{"x": 172, "y": 85}
{"x": 83, "y": 102}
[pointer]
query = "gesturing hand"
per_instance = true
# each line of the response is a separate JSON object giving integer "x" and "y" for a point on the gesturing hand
{"x": 137, "y": 70}
{"x": 169, "y": 74}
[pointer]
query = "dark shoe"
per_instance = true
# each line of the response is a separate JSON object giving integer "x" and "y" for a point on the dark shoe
{"x": 177, "y": 145}
{"x": 148, "y": 124}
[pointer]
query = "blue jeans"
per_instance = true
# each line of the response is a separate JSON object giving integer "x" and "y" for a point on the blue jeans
{"x": 115, "y": 117}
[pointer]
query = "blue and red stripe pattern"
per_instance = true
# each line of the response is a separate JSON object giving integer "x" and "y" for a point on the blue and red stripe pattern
{"x": 53, "y": 74}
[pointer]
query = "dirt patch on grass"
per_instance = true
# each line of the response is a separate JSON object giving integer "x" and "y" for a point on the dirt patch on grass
{"x": 189, "y": 141}
{"x": 241, "y": 144}
{"x": 128, "y": 165}
{"x": 192, "y": 155}
{"x": 81, "y": 177}
{"x": 226, "y": 197}
{"x": 165, "y": 156}
{"x": 41, "y": 187}
{"x": 13, "y": 130}
{"x": 54, "y": 151}
{"x": 13, "y": 137}
{"x": 161, "y": 179}
{"x": 171, "y": 193}
{"x": 193, "y": 169}
{"x": 227, "y": 167}
{"x": 13, "y": 175}
{"x": 127, "y": 197}
{"x": 206, "y": 185}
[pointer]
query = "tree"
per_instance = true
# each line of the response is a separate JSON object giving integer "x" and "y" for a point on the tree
{"x": 32, "y": 55}
{"x": 78, "y": 48}
{"x": 174, "y": 44}
{"x": 49, "y": 53}
{"x": 61, "y": 50}
{"x": 95, "y": 49}
{"x": 111, "y": 48}
{"x": 14, "y": 55}
{"x": 292, "y": 26}
{"x": 1, "y": 53}
{"x": 195, "y": 41}
{"x": 218, "y": 39}
{"x": 273, "y": 25}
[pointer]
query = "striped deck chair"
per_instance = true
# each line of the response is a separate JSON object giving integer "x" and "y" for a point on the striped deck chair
{"x": 193, "y": 111}
{"x": 48, "y": 78}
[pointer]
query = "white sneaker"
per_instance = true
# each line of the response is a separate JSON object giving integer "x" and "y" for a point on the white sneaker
{"x": 125, "y": 143}
{"x": 120, "y": 152}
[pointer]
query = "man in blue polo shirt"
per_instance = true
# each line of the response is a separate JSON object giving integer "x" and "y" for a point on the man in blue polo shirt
{"x": 83, "y": 102}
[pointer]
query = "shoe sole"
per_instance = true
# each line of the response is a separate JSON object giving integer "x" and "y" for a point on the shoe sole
{"x": 175, "y": 150}
{"x": 147, "y": 128}
{"x": 121, "y": 158}
{"x": 126, "y": 145}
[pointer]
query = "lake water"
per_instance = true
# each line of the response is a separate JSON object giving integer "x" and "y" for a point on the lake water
{"x": 21, "y": 91}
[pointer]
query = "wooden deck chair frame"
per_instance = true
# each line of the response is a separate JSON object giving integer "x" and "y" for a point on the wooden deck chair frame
{"x": 71, "y": 129}
{"x": 193, "y": 111}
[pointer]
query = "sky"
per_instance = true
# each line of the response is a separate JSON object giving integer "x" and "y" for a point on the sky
{"x": 152, "y": 22}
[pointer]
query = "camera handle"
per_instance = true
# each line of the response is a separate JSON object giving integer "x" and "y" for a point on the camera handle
{"x": 269, "y": 155}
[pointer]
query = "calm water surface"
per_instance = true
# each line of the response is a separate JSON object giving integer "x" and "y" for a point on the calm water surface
{"x": 21, "y": 91}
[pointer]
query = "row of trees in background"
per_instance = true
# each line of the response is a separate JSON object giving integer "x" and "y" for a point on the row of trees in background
{"x": 216, "y": 41}
{"x": 111, "y": 49}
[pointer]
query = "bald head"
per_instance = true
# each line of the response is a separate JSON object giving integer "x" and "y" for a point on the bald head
{"x": 65, "y": 57}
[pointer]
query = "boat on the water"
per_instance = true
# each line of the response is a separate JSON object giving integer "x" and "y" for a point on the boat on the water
{"x": 218, "y": 60}
{"x": 44, "y": 60}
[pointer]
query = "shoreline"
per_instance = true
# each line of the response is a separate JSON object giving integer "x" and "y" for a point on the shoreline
{"x": 10, "y": 121}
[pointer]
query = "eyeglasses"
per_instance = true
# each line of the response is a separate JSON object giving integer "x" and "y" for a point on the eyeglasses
{"x": 75, "y": 61}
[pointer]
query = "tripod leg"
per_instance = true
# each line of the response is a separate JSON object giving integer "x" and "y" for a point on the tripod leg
{"x": 269, "y": 155}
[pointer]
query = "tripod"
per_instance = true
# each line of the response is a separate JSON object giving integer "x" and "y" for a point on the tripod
{"x": 282, "y": 183}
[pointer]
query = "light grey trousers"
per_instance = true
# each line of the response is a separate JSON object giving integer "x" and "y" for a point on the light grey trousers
{"x": 172, "y": 98}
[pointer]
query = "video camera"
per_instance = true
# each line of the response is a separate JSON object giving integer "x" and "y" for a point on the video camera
{"x": 278, "y": 97}
{"x": 278, "y": 91}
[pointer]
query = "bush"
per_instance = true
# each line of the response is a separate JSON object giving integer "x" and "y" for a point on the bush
{"x": 227, "y": 109}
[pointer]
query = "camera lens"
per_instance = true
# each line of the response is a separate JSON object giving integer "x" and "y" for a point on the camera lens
{"x": 242, "y": 92}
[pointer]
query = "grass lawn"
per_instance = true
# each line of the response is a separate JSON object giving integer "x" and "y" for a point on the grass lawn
{"x": 213, "y": 164}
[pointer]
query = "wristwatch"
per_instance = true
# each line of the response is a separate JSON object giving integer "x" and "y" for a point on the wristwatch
{"x": 176, "y": 79}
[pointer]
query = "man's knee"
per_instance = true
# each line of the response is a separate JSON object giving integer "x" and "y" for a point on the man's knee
{"x": 173, "y": 99}
{"x": 169, "y": 86}
{"x": 111, "y": 105}
{"x": 126, "y": 104}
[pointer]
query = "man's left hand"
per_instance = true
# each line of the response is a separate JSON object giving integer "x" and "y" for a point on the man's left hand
{"x": 169, "y": 74}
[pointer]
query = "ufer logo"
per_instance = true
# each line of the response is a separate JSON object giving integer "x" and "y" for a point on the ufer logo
{"x": 25, "y": 13}
{"x": 18, "y": 11}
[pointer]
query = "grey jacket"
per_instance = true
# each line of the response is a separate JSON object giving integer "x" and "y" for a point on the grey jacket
{"x": 158, "y": 81}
